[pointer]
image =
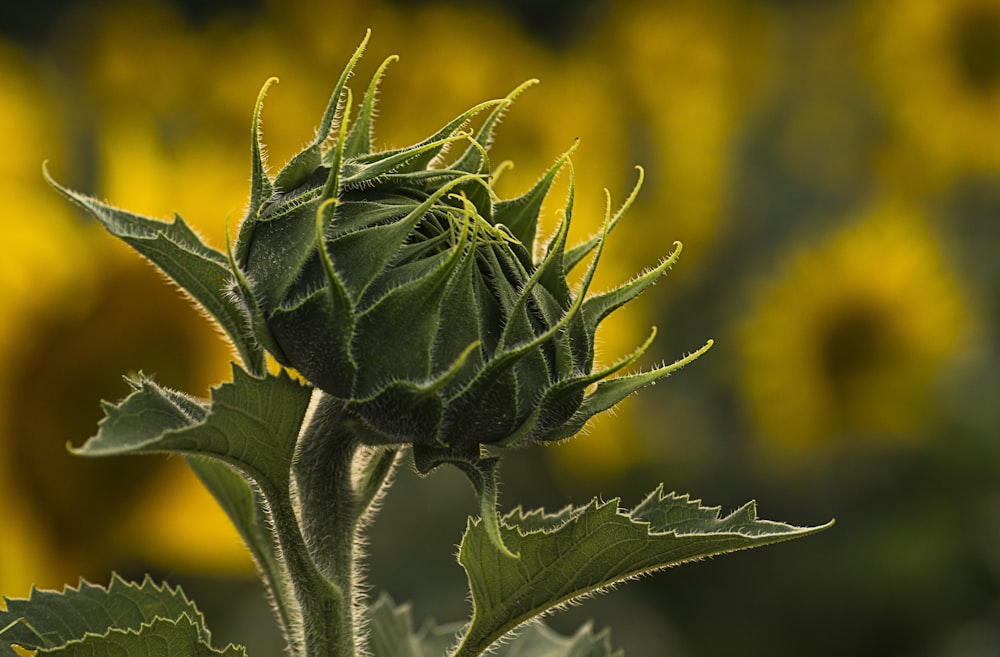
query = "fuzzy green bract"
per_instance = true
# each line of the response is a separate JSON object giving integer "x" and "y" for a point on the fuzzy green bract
{"x": 397, "y": 282}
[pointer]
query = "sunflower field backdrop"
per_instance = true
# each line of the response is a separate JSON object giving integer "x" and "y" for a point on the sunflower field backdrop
{"x": 833, "y": 170}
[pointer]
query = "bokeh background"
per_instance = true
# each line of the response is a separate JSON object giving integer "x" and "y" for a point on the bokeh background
{"x": 833, "y": 170}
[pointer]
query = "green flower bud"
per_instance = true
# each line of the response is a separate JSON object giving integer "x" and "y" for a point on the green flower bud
{"x": 398, "y": 283}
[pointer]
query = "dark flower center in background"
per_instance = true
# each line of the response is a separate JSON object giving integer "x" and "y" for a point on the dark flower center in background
{"x": 976, "y": 47}
{"x": 81, "y": 500}
{"x": 856, "y": 344}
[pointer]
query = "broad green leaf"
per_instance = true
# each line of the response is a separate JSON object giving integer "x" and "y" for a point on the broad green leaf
{"x": 124, "y": 618}
{"x": 252, "y": 424}
{"x": 579, "y": 551}
{"x": 161, "y": 638}
{"x": 199, "y": 270}
{"x": 538, "y": 640}
{"x": 391, "y": 633}
{"x": 248, "y": 513}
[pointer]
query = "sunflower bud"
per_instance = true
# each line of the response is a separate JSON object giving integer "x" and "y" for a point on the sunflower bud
{"x": 399, "y": 284}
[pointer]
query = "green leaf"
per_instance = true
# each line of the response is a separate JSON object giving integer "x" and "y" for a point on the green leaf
{"x": 391, "y": 633}
{"x": 579, "y": 551}
{"x": 123, "y": 619}
{"x": 248, "y": 513}
{"x": 252, "y": 425}
{"x": 537, "y": 640}
{"x": 243, "y": 414}
{"x": 162, "y": 638}
{"x": 199, "y": 270}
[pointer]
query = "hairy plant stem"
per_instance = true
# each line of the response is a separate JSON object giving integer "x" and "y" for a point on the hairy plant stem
{"x": 319, "y": 599}
{"x": 329, "y": 513}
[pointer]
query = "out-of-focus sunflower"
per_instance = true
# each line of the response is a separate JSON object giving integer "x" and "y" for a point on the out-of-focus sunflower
{"x": 938, "y": 66}
{"x": 850, "y": 337}
{"x": 43, "y": 256}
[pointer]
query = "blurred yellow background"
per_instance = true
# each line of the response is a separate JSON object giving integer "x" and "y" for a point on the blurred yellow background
{"x": 833, "y": 170}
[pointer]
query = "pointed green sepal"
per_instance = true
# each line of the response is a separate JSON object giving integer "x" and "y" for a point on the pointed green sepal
{"x": 399, "y": 166}
{"x": 520, "y": 215}
{"x": 254, "y": 319}
{"x": 261, "y": 186}
{"x": 406, "y": 411}
{"x": 611, "y": 391}
{"x": 562, "y": 400}
{"x": 305, "y": 162}
{"x": 482, "y": 474}
{"x": 427, "y": 150}
{"x": 473, "y": 160}
{"x": 359, "y": 140}
{"x": 579, "y": 252}
{"x": 331, "y": 191}
{"x": 419, "y": 300}
{"x": 599, "y": 306}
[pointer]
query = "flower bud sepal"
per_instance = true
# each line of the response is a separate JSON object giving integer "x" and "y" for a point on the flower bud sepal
{"x": 482, "y": 473}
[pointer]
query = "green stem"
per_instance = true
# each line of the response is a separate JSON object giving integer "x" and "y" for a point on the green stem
{"x": 328, "y": 509}
{"x": 320, "y": 600}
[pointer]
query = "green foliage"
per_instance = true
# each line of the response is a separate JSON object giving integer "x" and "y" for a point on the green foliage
{"x": 123, "y": 619}
{"x": 568, "y": 555}
{"x": 393, "y": 636}
{"x": 199, "y": 270}
{"x": 408, "y": 300}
